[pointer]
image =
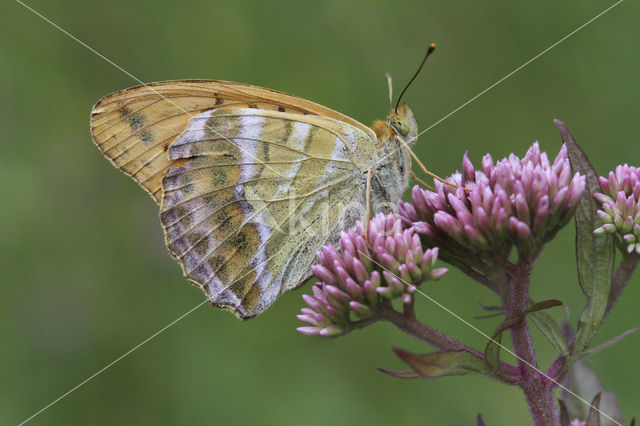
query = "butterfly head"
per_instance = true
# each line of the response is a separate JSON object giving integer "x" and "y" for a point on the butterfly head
{"x": 403, "y": 123}
{"x": 400, "y": 119}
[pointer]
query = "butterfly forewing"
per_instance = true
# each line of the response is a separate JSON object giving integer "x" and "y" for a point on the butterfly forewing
{"x": 134, "y": 127}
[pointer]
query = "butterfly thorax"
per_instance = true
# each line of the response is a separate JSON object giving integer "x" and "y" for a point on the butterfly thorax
{"x": 393, "y": 167}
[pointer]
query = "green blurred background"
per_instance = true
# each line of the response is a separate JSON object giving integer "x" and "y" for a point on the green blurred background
{"x": 85, "y": 276}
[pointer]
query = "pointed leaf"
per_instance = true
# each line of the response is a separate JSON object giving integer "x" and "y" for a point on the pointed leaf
{"x": 565, "y": 419}
{"x": 488, "y": 316}
{"x": 545, "y": 304}
{"x": 445, "y": 363}
{"x": 492, "y": 350}
{"x": 590, "y": 352}
{"x": 489, "y": 307}
{"x": 551, "y": 331}
{"x": 593, "y": 419}
{"x": 404, "y": 374}
{"x": 595, "y": 253}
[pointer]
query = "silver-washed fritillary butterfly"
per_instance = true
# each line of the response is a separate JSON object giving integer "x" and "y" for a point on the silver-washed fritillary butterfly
{"x": 251, "y": 182}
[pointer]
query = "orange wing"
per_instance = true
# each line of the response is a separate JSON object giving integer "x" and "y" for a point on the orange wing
{"x": 134, "y": 127}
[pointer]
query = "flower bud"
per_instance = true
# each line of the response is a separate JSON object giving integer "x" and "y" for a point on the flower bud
{"x": 620, "y": 206}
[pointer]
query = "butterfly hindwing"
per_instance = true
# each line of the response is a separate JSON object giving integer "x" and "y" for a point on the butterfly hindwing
{"x": 259, "y": 193}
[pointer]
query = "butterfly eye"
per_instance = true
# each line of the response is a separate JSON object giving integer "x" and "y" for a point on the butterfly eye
{"x": 401, "y": 124}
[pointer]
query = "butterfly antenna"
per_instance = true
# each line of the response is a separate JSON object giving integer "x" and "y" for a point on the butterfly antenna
{"x": 430, "y": 50}
{"x": 389, "y": 83}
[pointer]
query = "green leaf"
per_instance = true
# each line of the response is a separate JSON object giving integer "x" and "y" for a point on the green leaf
{"x": 445, "y": 363}
{"x": 593, "y": 419}
{"x": 492, "y": 353}
{"x": 492, "y": 350}
{"x": 594, "y": 253}
{"x": 545, "y": 304}
{"x": 565, "y": 419}
{"x": 590, "y": 352}
{"x": 551, "y": 331}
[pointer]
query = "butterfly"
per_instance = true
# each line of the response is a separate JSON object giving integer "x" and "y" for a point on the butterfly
{"x": 251, "y": 182}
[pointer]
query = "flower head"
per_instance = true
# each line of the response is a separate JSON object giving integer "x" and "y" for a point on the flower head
{"x": 354, "y": 280}
{"x": 620, "y": 214}
{"x": 521, "y": 202}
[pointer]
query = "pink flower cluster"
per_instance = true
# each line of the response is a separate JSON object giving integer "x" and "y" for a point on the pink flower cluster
{"x": 380, "y": 263}
{"x": 521, "y": 202}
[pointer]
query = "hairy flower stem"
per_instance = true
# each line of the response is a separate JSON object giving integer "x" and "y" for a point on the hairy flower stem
{"x": 536, "y": 388}
{"x": 413, "y": 327}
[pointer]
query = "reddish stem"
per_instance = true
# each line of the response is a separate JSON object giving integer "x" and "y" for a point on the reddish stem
{"x": 536, "y": 387}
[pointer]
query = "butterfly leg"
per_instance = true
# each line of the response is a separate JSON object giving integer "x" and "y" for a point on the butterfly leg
{"x": 424, "y": 169}
{"x": 367, "y": 213}
{"x": 421, "y": 182}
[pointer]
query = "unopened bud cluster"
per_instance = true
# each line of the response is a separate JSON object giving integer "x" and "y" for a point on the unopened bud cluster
{"x": 380, "y": 262}
{"x": 620, "y": 214}
{"x": 521, "y": 202}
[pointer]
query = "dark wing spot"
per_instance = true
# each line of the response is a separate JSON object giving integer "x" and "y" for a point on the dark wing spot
{"x": 201, "y": 243}
{"x": 124, "y": 111}
{"x": 187, "y": 188}
{"x": 177, "y": 214}
{"x": 217, "y": 126}
{"x": 250, "y": 300}
{"x": 240, "y": 242}
{"x": 146, "y": 137}
{"x": 219, "y": 177}
{"x": 218, "y": 263}
{"x": 224, "y": 220}
{"x": 135, "y": 120}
